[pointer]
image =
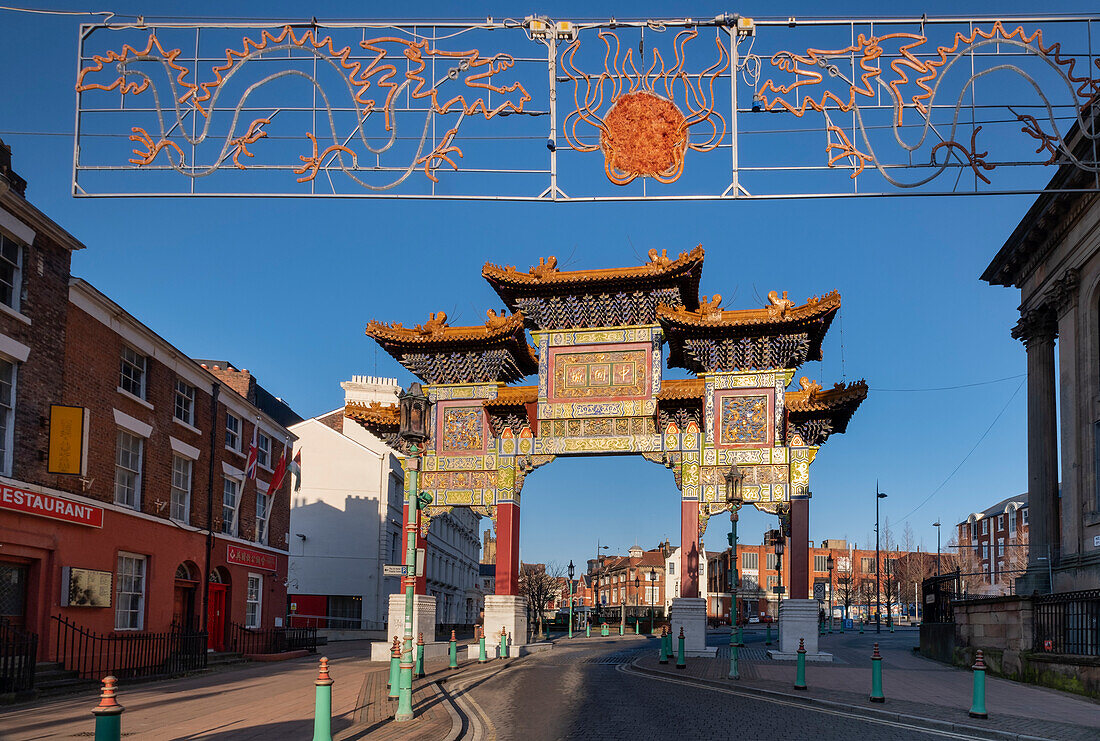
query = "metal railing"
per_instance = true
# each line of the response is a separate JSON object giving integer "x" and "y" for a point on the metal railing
{"x": 129, "y": 654}
{"x": 937, "y": 593}
{"x": 1068, "y": 623}
{"x": 18, "y": 654}
{"x": 251, "y": 641}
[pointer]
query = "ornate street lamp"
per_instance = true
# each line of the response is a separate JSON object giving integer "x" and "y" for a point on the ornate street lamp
{"x": 570, "y": 598}
{"x": 735, "y": 479}
{"x": 830, "y": 563}
{"x": 414, "y": 411}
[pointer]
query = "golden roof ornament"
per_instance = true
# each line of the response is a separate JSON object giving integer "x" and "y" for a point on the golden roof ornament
{"x": 660, "y": 260}
{"x": 546, "y": 266}
{"x": 812, "y": 386}
{"x": 778, "y": 307}
{"x": 436, "y": 323}
{"x": 495, "y": 321}
{"x": 712, "y": 308}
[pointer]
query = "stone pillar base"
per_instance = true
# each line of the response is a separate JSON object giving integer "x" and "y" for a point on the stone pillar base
{"x": 798, "y": 619}
{"x": 506, "y": 611}
{"x": 1035, "y": 579}
{"x": 423, "y": 617}
{"x": 690, "y": 613}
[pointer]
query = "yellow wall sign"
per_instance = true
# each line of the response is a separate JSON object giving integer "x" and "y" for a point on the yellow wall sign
{"x": 67, "y": 437}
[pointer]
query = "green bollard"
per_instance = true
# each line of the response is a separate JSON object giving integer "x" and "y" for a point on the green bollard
{"x": 453, "y": 652}
{"x": 800, "y": 672}
{"x": 876, "y": 677}
{"x": 395, "y": 667}
{"x": 830, "y": 622}
{"x": 891, "y": 625}
{"x": 734, "y": 671}
{"x": 620, "y": 630}
{"x": 977, "y": 707}
{"x": 768, "y": 641}
{"x": 503, "y": 643}
{"x": 322, "y": 711}
{"x": 481, "y": 657}
{"x": 418, "y": 670}
{"x": 108, "y": 713}
{"x": 680, "y": 662}
{"x": 588, "y": 630}
{"x": 842, "y": 626}
{"x": 604, "y": 630}
{"x": 637, "y": 629}
{"x": 821, "y": 627}
{"x": 861, "y": 626}
{"x": 664, "y": 646}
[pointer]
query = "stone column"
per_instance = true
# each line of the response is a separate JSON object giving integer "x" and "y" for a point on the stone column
{"x": 1037, "y": 329}
{"x": 799, "y": 551}
{"x": 507, "y": 575}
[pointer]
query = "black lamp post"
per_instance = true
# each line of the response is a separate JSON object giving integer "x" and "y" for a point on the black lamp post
{"x": 637, "y": 586}
{"x": 734, "y": 480}
{"x": 830, "y": 563}
{"x": 878, "y": 565}
{"x": 414, "y": 409}
{"x": 936, "y": 525}
{"x": 599, "y": 569}
{"x": 571, "y": 567}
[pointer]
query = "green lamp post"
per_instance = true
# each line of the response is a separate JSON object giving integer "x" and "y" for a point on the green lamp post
{"x": 571, "y": 568}
{"x": 734, "y": 480}
{"x": 415, "y": 409}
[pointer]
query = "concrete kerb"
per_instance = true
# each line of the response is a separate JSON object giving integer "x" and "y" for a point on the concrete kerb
{"x": 916, "y": 720}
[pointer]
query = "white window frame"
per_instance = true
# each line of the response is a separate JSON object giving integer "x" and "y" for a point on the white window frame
{"x": 1012, "y": 525}
{"x": 181, "y": 492}
{"x": 262, "y": 522}
{"x": 136, "y": 473}
{"x": 139, "y": 613}
{"x": 1023, "y": 515}
{"x": 824, "y": 561}
{"x": 235, "y": 433}
{"x": 985, "y": 526}
{"x": 144, "y": 369}
{"x": 189, "y": 418}
{"x": 750, "y": 556}
{"x": 263, "y": 454}
{"x": 17, "y": 272}
{"x": 771, "y": 561}
{"x": 254, "y": 620}
{"x": 1000, "y": 547}
{"x": 231, "y": 527}
{"x": 7, "y": 421}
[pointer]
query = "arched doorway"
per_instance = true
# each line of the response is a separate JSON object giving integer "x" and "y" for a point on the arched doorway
{"x": 183, "y": 604}
{"x": 217, "y": 609}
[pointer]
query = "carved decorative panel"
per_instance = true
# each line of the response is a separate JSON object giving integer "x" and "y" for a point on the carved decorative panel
{"x": 462, "y": 429}
{"x": 602, "y": 374}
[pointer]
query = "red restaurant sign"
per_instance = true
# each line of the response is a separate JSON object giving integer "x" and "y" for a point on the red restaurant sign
{"x": 45, "y": 505}
{"x": 246, "y": 557}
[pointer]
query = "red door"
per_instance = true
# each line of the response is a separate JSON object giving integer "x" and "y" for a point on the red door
{"x": 215, "y": 618}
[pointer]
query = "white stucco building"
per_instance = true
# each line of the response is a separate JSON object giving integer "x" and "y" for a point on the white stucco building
{"x": 345, "y": 524}
{"x": 672, "y": 577}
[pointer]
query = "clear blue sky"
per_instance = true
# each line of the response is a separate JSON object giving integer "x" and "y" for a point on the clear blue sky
{"x": 285, "y": 289}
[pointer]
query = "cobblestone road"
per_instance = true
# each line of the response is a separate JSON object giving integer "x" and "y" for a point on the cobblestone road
{"x": 583, "y": 692}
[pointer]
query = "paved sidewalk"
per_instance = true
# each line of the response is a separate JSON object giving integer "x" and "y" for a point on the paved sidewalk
{"x": 257, "y": 701}
{"x": 912, "y": 684}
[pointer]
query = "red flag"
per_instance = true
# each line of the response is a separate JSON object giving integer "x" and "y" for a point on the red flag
{"x": 280, "y": 472}
{"x": 253, "y": 454}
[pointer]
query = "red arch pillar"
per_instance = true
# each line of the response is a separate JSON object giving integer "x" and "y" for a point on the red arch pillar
{"x": 799, "y": 549}
{"x": 507, "y": 526}
{"x": 689, "y": 548}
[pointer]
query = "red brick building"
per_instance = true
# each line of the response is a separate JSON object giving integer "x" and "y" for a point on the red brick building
{"x": 852, "y": 582}
{"x": 128, "y": 509}
{"x": 633, "y": 585}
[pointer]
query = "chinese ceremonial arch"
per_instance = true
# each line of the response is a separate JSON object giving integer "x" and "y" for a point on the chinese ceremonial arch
{"x": 599, "y": 340}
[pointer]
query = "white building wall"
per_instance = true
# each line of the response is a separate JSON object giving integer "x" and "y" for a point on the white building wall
{"x": 350, "y": 509}
{"x": 673, "y": 576}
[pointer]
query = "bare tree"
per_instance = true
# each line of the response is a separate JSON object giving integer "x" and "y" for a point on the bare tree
{"x": 539, "y": 584}
{"x": 846, "y": 586}
{"x": 1015, "y": 563}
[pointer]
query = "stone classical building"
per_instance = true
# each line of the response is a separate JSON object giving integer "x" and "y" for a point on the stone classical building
{"x": 346, "y": 525}
{"x": 1053, "y": 257}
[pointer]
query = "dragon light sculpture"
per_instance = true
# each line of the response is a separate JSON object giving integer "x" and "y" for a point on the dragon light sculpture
{"x": 374, "y": 86}
{"x": 642, "y": 132}
{"x": 914, "y": 85}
